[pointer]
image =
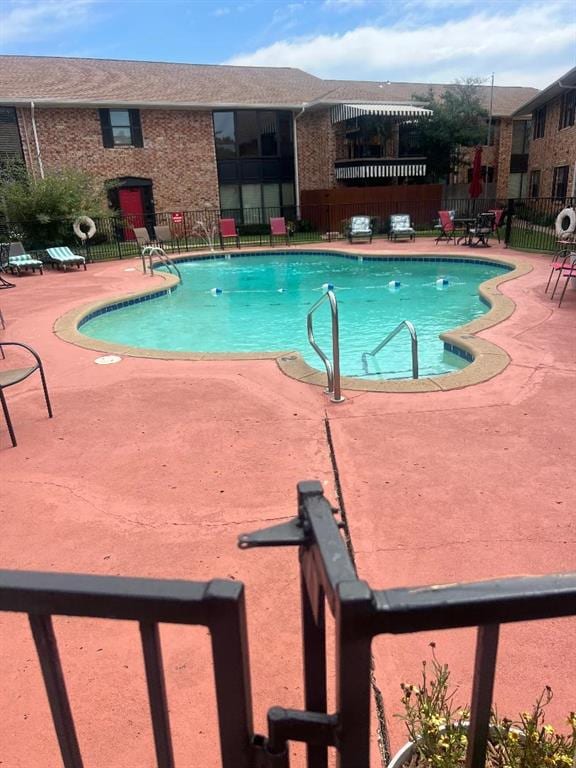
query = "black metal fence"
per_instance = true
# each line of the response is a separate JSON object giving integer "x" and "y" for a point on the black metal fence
{"x": 531, "y": 225}
{"x": 327, "y": 576}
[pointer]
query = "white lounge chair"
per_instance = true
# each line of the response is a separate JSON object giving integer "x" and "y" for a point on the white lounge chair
{"x": 360, "y": 227}
{"x": 401, "y": 226}
{"x": 63, "y": 257}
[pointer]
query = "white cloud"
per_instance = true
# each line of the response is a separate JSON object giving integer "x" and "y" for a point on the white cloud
{"x": 342, "y": 5}
{"x": 39, "y": 19}
{"x": 530, "y": 46}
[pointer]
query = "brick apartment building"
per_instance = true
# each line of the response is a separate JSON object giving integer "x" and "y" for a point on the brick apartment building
{"x": 169, "y": 137}
{"x": 551, "y": 168}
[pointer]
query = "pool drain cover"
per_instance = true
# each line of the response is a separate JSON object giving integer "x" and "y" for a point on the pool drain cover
{"x": 107, "y": 359}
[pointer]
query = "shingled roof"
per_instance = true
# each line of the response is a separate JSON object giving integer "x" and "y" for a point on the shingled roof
{"x": 507, "y": 99}
{"x": 98, "y": 81}
{"x": 53, "y": 80}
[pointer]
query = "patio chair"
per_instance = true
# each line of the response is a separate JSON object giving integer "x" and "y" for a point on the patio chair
{"x": 163, "y": 234}
{"x": 400, "y": 226}
{"x": 481, "y": 230}
{"x": 4, "y": 250}
{"x": 14, "y": 376}
{"x": 19, "y": 260}
{"x": 227, "y": 229}
{"x": 360, "y": 226}
{"x": 498, "y": 220}
{"x": 142, "y": 236}
{"x": 446, "y": 226}
{"x": 63, "y": 257}
{"x": 563, "y": 260}
{"x": 568, "y": 273}
{"x": 278, "y": 228}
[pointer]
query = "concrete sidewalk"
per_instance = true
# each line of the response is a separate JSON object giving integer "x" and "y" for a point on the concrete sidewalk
{"x": 153, "y": 467}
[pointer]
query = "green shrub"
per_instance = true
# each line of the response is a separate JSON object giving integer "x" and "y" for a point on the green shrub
{"x": 43, "y": 210}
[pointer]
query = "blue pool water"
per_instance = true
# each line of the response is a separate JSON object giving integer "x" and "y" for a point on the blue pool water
{"x": 264, "y": 300}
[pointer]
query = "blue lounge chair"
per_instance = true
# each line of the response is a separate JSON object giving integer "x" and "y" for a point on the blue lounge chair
{"x": 63, "y": 257}
{"x": 360, "y": 227}
{"x": 19, "y": 260}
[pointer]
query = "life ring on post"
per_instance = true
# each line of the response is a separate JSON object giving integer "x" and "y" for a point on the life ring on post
{"x": 84, "y": 221}
{"x": 561, "y": 231}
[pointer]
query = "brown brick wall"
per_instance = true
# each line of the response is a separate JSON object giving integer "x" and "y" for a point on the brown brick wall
{"x": 178, "y": 153}
{"x": 316, "y": 150}
{"x": 555, "y": 148}
{"x": 504, "y": 155}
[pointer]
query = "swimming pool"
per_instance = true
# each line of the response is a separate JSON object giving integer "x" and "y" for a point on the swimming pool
{"x": 258, "y": 303}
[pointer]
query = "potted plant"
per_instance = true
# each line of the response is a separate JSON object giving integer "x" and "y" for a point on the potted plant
{"x": 437, "y": 728}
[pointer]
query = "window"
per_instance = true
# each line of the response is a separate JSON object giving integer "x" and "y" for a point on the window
{"x": 520, "y": 137}
{"x": 224, "y": 135}
{"x": 560, "y": 181}
{"x": 121, "y": 128}
{"x": 251, "y": 133}
{"x": 534, "y": 188}
{"x": 517, "y": 185}
{"x": 256, "y": 203}
{"x": 567, "y": 109}
{"x": 10, "y": 144}
{"x": 487, "y": 174}
{"x": 539, "y": 123}
{"x": 247, "y": 134}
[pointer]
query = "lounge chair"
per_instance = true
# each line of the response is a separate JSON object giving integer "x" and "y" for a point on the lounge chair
{"x": 361, "y": 227}
{"x": 278, "y": 228}
{"x": 142, "y": 236}
{"x": 163, "y": 234}
{"x": 481, "y": 230}
{"x": 15, "y": 376}
{"x": 63, "y": 257}
{"x": 19, "y": 260}
{"x": 227, "y": 229}
{"x": 400, "y": 226}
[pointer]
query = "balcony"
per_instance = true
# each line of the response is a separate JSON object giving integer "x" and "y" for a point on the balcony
{"x": 379, "y": 168}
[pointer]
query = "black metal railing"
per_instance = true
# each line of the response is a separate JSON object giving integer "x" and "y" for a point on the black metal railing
{"x": 531, "y": 225}
{"x": 327, "y": 576}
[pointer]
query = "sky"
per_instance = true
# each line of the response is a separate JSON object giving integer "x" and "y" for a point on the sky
{"x": 523, "y": 42}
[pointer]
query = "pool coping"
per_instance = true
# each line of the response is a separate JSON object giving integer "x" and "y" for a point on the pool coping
{"x": 488, "y": 358}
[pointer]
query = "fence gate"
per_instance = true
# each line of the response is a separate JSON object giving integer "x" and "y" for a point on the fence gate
{"x": 328, "y": 578}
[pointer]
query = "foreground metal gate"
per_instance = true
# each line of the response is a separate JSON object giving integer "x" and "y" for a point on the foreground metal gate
{"x": 327, "y": 576}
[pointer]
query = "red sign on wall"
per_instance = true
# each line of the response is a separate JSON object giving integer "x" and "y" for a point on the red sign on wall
{"x": 177, "y": 218}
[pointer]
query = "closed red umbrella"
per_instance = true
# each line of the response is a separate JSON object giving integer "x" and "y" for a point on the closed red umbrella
{"x": 475, "y": 188}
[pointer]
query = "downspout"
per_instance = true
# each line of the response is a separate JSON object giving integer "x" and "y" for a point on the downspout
{"x": 296, "y": 174}
{"x": 38, "y": 155}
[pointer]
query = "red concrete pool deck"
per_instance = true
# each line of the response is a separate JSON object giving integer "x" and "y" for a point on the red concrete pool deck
{"x": 153, "y": 467}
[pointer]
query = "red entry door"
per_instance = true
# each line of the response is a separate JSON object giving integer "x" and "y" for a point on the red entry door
{"x": 132, "y": 209}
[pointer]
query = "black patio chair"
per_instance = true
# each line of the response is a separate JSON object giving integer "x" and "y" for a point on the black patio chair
{"x": 481, "y": 230}
{"x": 14, "y": 376}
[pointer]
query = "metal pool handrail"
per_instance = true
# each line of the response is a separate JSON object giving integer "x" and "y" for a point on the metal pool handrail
{"x": 332, "y": 368}
{"x": 414, "y": 340}
{"x": 155, "y": 250}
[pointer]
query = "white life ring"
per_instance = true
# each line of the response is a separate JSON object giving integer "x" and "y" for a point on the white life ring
{"x": 87, "y": 222}
{"x": 567, "y": 213}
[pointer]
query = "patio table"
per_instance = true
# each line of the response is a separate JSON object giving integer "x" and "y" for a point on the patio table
{"x": 466, "y": 223}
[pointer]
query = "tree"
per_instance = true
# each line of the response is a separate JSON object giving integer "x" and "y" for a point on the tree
{"x": 42, "y": 211}
{"x": 458, "y": 120}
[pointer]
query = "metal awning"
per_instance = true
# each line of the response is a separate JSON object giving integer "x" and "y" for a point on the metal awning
{"x": 346, "y": 111}
{"x": 379, "y": 171}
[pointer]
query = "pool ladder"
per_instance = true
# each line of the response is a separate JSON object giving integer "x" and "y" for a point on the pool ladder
{"x": 154, "y": 250}
{"x": 332, "y": 367}
{"x": 414, "y": 342}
